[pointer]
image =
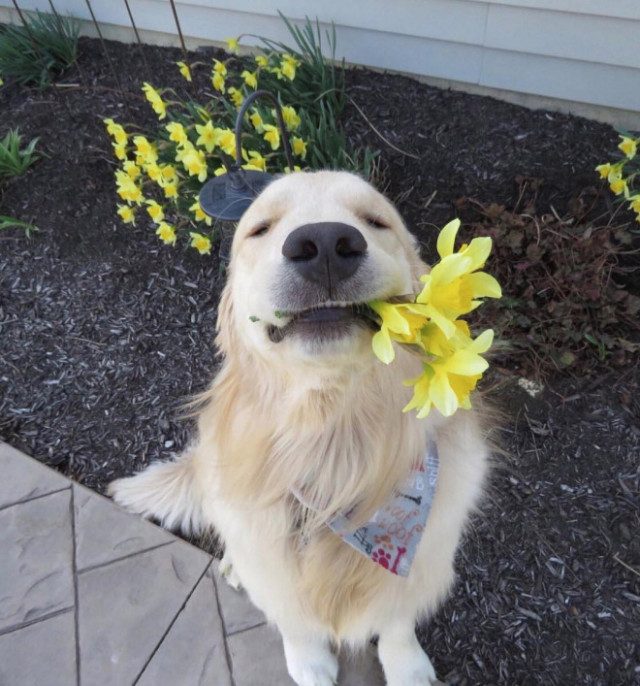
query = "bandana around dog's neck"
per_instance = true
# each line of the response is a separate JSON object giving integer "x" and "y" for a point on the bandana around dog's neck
{"x": 390, "y": 538}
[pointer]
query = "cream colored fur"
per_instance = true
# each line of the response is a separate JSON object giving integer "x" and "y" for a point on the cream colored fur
{"x": 284, "y": 416}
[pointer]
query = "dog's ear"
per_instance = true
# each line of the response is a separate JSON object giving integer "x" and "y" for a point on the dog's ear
{"x": 226, "y": 337}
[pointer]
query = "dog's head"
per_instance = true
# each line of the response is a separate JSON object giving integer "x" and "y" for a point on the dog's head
{"x": 307, "y": 254}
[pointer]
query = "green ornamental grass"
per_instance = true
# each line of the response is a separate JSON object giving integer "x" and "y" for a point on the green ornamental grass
{"x": 14, "y": 160}
{"x": 33, "y": 54}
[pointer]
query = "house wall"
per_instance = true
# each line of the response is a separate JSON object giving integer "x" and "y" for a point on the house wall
{"x": 581, "y": 56}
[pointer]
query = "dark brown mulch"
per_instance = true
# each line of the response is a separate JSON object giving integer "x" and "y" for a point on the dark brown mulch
{"x": 104, "y": 332}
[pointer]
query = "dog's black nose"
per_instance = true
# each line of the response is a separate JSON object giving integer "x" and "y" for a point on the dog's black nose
{"x": 325, "y": 252}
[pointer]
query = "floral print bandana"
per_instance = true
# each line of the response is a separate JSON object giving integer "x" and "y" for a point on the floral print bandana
{"x": 390, "y": 538}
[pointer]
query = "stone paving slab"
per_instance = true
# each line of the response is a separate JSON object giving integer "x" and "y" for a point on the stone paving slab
{"x": 105, "y": 533}
{"x": 187, "y": 657}
{"x": 24, "y": 478}
{"x": 125, "y": 608}
{"x": 92, "y": 596}
{"x": 41, "y": 654}
{"x": 36, "y": 573}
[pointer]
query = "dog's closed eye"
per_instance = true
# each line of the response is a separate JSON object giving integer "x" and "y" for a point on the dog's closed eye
{"x": 260, "y": 229}
{"x": 375, "y": 221}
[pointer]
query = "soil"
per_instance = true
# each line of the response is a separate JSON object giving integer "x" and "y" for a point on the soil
{"x": 104, "y": 332}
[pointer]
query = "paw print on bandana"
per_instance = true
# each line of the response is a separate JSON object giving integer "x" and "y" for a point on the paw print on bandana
{"x": 384, "y": 541}
{"x": 381, "y": 557}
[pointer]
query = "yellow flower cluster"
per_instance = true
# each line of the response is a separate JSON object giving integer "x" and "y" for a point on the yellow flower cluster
{"x": 452, "y": 359}
{"x": 619, "y": 183}
{"x": 160, "y": 175}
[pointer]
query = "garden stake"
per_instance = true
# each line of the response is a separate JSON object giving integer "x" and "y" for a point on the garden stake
{"x": 106, "y": 52}
{"x": 175, "y": 16}
{"x": 227, "y": 196}
{"x": 135, "y": 30}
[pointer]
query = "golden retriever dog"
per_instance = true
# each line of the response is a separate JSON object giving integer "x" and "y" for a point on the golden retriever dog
{"x": 303, "y": 422}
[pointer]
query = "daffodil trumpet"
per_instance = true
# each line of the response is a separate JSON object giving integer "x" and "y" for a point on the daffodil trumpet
{"x": 430, "y": 323}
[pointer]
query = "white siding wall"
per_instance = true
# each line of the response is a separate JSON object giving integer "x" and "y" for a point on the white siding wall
{"x": 580, "y": 51}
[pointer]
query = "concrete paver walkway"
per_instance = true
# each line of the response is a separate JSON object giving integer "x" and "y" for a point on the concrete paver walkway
{"x": 93, "y": 596}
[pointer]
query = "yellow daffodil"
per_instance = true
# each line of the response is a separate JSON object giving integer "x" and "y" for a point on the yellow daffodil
{"x": 262, "y": 61}
{"x": 185, "y": 70}
{"x": 272, "y": 135}
{"x": 166, "y": 233}
{"x": 288, "y": 170}
{"x": 254, "y": 160}
{"x": 400, "y": 322}
{"x": 288, "y": 66}
{"x": 201, "y": 243}
{"x": 619, "y": 187}
{"x": 116, "y": 131}
{"x": 127, "y": 189}
{"x": 634, "y": 203}
{"x": 196, "y": 164}
{"x": 146, "y": 153}
{"x": 170, "y": 191}
{"x": 256, "y": 121}
{"x": 177, "y": 133}
{"x": 219, "y": 68}
{"x": 226, "y": 139}
{"x": 127, "y": 214}
{"x": 250, "y": 78}
{"x": 232, "y": 44}
{"x": 168, "y": 174}
{"x": 132, "y": 169}
{"x": 207, "y": 136}
{"x": 155, "y": 211}
{"x": 629, "y": 147}
{"x": 454, "y": 286}
{"x": 156, "y": 101}
{"x": 447, "y": 381}
{"x": 299, "y": 147}
{"x": 236, "y": 96}
{"x": 217, "y": 81}
{"x": 120, "y": 150}
{"x": 604, "y": 170}
{"x": 291, "y": 118}
{"x": 219, "y": 171}
{"x": 200, "y": 214}
{"x": 452, "y": 360}
{"x": 153, "y": 171}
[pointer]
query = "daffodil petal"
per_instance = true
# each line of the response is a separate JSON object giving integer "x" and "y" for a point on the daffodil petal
{"x": 483, "y": 342}
{"x": 391, "y": 317}
{"x": 447, "y": 327}
{"x": 484, "y": 285}
{"x": 450, "y": 268}
{"x": 382, "y": 346}
{"x": 442, "y": 395}
{"x": 478, "y": 251}
{"x": 447, "y": 238}
{"x": 466, "y": 363}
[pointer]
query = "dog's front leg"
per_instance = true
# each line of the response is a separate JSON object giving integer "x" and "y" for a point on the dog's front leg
{"x": 310, "y": 661}
{"x": 403, "y": 660}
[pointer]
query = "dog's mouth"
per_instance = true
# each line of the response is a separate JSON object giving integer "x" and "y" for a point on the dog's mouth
{"x": 326, "y": 322}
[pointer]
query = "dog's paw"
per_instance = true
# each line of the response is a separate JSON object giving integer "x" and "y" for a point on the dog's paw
{"x": 128, "y": 493}
{"x": 228, "y": 573}
{"x": 410, "y": 667}
{"x": 311, "y": 664}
